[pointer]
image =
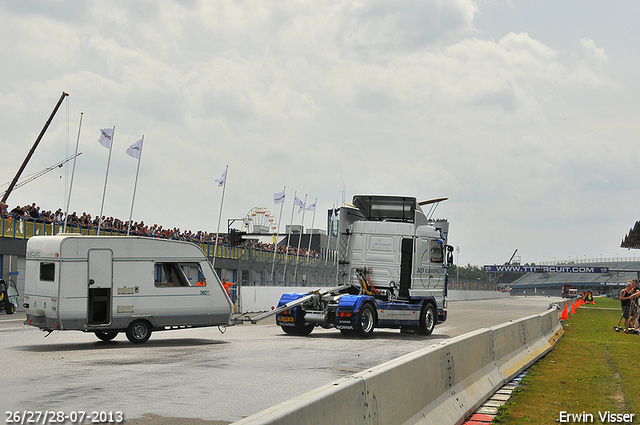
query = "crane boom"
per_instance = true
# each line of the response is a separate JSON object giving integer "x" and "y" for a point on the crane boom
{"x": 33, "y": 149}
{"x": 513, "y": 255}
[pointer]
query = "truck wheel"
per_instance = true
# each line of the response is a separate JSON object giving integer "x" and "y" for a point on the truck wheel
{"x": 106, "y": 335}
{"x": 289, "y": 330}
{"x": 305, "y": 330}
{"x": 298, "y": 330}
{"x": 427, "y": 320}
{"x": 139, "y": 331}
{"x": 347, "y": 332}
{"x": 10, "y": 308}
{"x": 366, "y": 321}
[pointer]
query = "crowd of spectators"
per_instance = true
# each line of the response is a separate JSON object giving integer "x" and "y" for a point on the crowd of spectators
{"x": 282, "y": 249}
{"x": 111, "y": 224}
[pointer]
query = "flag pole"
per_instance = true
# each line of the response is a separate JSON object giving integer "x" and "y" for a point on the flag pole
{"x": 286, "y": 252}
{"x": 310, "y": 235}
{"x": 275, "y": 242}
{"x": 66, "y": 211}
{"x": 224, "y": 186}
{"x": 304, "y": 209}
{"x": 106, "y": 177}
{"x": 135, "y": 185}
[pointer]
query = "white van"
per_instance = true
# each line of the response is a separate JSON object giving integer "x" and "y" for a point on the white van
{"x": 106, "y": 285}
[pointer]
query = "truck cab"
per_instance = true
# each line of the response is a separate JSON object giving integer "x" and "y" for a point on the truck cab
{"x": 392, "y": 271}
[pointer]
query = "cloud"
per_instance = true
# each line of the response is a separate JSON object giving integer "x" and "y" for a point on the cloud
{"x": 594, "y": 53}
{"x": 383, "y": 97}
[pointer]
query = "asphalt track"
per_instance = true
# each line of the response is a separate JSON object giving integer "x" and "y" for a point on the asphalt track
{"x": 202, "y": 375}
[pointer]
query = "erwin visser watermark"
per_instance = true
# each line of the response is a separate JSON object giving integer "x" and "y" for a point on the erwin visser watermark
{"x": 605, "y": 417}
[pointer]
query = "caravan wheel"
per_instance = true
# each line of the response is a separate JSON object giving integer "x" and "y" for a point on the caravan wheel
{"x": 139, "y": 331}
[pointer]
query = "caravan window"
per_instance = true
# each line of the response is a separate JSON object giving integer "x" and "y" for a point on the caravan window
{"x": 47, "y": 271}
{"x": 169, "y": 275}
{"x": 193, "y": 273}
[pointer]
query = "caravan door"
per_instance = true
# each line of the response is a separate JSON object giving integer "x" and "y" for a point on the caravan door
{"x": 100, "y": 282}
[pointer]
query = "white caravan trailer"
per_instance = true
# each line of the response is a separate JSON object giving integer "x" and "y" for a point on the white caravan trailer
{"x": 106, "y": 285}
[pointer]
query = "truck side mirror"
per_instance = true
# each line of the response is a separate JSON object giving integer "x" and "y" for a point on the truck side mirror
{"x": 91, "y": 282}
{"x": 449, "y": 255}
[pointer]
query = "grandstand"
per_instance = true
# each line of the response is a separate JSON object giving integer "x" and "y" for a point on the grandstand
{"x": 620, "y": 271}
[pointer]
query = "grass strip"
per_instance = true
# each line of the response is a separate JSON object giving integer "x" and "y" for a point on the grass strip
{"x": 592, "y": 370}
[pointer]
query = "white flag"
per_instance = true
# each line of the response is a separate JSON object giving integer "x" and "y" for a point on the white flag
{"x": 222, "y": 178}
{"x": 312, "y": 207}
{"x": 297, "y": 201}
{"x": 135, "y": 149}
{"x": 278, "y": 198}
{"x": 333, "y": 214}
{"x": 105, "y": 137}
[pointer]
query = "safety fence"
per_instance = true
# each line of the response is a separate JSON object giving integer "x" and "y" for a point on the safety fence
{"x": 441, "y": 384}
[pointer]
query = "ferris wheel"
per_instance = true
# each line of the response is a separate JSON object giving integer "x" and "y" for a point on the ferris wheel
{"x": 259, "y": 220}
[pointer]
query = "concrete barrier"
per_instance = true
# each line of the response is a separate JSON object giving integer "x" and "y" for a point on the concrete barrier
{"x": 459, "y": 295}
{"x": 441, "y": 384}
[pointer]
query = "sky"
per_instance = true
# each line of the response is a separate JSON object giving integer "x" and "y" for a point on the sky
{"x": 523, "y": 113}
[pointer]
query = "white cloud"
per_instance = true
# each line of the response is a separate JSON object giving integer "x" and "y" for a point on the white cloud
{"x": 593, "y": 53}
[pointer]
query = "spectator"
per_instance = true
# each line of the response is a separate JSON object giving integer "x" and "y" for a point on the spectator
{"x": 627, "y": 295}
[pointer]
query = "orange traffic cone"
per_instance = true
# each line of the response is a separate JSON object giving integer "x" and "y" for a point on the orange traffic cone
{"x": 565, "y": 314}
{"x": 573, "y": 308}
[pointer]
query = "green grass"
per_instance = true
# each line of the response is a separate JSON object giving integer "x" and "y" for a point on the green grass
{"x": 592, "y": 369}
